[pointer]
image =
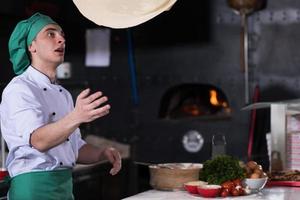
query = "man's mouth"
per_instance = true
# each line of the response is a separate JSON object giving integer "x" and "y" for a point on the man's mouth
{"x": 60, "y": 50}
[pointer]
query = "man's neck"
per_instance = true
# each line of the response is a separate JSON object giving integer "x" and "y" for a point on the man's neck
{"x": 49, "y": 71}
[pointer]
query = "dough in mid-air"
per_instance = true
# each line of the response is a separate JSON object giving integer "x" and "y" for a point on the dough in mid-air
{"x": 122, "y": 13}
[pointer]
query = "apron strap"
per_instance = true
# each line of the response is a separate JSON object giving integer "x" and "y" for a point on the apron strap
{"x": 42, "y": 185}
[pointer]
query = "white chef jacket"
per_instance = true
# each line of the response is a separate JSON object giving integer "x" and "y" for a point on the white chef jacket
{"x": 30, "y": 101}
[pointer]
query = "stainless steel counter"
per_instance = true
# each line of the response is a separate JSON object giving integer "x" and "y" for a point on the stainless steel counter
{"x": 270, "y": 193}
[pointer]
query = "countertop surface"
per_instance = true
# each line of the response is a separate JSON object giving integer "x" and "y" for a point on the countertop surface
{"x": 269, "y": 193}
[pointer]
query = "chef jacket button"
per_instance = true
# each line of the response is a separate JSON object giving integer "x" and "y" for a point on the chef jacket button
{"x": 44, "y": 89}
{"x": 60, "y": 90}
{"x": 68, "y": 139}
{"x": 53, "y": 113}
{"x": 73, "y": 164}
{"x": 61, "y": 163}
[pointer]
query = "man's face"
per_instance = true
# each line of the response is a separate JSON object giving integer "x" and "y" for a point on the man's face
{"x": 49, "y": 45}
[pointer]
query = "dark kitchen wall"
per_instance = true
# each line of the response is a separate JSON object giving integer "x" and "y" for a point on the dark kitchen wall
{"x": 195, "y": 42}
{"x": 273, "y": 66}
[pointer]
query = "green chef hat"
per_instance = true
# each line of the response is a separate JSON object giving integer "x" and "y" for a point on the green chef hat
{"x": 22, "y": 36}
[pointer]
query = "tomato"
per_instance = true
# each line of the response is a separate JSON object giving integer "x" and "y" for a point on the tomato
{"x": 235, "y": 192}
{"x": 242, "y": 191}
{"x": 224, "y": 193}
{"x": 237, "y": 182}
{"x": 226, "y": 190}
{"x": 228, "y": 185}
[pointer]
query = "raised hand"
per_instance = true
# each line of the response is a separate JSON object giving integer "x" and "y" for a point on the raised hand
{"x": 89, "y": 107}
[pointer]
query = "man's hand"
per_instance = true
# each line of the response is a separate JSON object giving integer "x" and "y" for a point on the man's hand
{"x": 114, "y": 157}
{"x": 90, "y": 106}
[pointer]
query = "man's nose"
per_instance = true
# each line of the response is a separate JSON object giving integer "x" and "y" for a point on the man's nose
{"x": 61, "y": 39}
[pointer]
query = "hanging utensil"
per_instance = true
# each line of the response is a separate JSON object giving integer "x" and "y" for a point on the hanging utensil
{"x": 244, "y": 8}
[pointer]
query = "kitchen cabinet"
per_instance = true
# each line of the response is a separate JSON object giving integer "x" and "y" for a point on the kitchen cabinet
{"x": 3, "y": 189}
{"x": 95, "y": 183}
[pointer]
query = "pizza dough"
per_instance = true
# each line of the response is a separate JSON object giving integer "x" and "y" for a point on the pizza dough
{"x": 122, "y": 13}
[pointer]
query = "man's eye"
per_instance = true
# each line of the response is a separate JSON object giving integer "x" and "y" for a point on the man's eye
{"x": 51, "y": 34}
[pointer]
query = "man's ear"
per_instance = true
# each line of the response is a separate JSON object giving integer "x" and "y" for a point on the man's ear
{"x": 31, "y": 48}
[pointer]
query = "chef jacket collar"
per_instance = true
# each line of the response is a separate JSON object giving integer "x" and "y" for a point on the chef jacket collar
{"x": 41, "y": 79}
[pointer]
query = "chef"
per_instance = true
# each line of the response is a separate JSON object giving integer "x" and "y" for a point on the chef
{"x": 39, "y": 121}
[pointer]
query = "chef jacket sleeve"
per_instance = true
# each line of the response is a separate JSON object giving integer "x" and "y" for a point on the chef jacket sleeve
{"x": 79, "y": 142}
{"x": 23, "y": 110}
{"x": 76, "y": 136}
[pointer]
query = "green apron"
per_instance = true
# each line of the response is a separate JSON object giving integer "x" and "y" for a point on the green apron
{"x": 42, "y": 185}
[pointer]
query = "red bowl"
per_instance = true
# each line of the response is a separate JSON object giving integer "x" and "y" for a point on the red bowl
{"x": 191, "y": 186}
{"x": 3, "y": 174}
{"x": 209, "y": 190}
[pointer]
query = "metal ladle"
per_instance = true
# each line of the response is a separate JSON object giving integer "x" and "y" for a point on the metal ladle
{"x": 244, "y": 8}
